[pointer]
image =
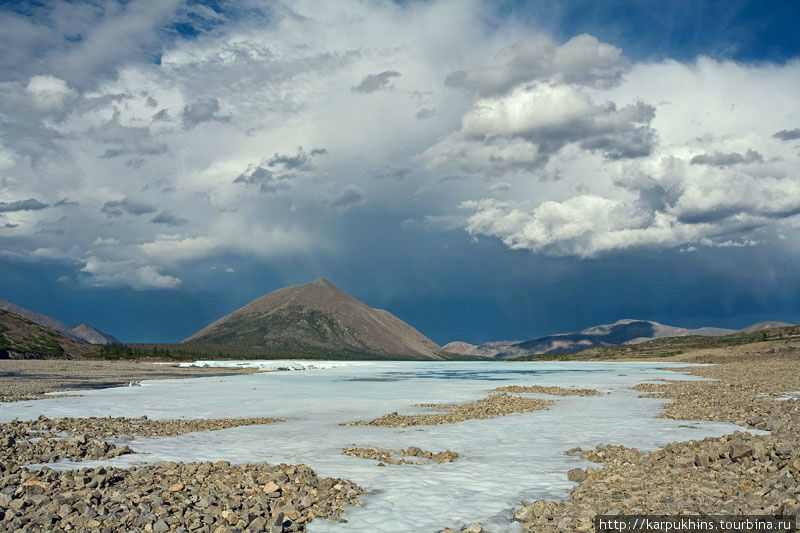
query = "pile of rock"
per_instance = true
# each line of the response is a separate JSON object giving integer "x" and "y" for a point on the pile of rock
{"x": 400, "y": 457}
{"x": 106, "y": 427}
{"x": 167, "y": 496}
{"x": 18, "y": 445}
{"x": 489, "y": 407}
{"x": 541, "y": 389}
{"x": 734, "y": 474}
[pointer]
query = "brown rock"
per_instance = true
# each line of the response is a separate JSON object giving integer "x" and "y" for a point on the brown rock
{"x": 739, "y": 451}
{"x": 271, "y": 487}
{"x": 576, "y": 474}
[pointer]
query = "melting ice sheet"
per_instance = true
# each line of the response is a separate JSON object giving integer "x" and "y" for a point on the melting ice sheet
{"x": 503, "y": 460}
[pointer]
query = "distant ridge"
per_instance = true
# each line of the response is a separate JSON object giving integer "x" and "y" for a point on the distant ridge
{"x": 21, "y": 338}
{"x": 314, "y": 319}
{"x": 83, "y": 332}
{"x": 761, "y": 326}
{"x": 625, "y": 331}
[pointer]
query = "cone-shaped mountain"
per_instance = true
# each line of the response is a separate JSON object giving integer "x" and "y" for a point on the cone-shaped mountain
{"x": 314, "y": 319}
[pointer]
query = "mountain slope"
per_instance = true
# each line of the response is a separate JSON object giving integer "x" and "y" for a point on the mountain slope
{"x": 20, "y": 338}
{"x": 625, "y": 331}
{"x": 313, "y": 319}
{"x": 761, "y": 326}
{"x": 92, "y": 335}
{"x": 36, "y": 318}
{"x": 82, "y": 332}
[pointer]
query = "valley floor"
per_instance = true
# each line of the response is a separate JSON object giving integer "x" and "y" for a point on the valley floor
{"x": 29, "y": 379}
{"x": 754, "y": 386}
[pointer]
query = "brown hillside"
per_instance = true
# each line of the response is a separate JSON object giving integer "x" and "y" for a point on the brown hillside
{"x": 313, "y": 319}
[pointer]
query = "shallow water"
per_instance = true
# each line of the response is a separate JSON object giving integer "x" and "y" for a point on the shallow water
{"x": 503, "y": 460}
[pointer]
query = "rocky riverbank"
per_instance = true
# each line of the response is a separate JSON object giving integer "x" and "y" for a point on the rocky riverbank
{"x": 43, "y": 440}
{"x": 30, "y": 379}
{"x": 741, "y": 473}
{"x": 197, "y": 497}
{"x": 489, "y": 407}
{"x": 403, "y": 456}
{"x": 106, "y": 427}
{"x": 201, "y": 497}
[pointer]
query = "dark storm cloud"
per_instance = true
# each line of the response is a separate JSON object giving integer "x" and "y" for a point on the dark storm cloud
{"x": 787, "y": 135}
{"x": 623, "y": 133}
{"x": 277, "y": 172}
{"x": 66, "y": 202}
{"x": 376, "y": 82}
{"x": 31, "y": 204}
{"x": 348, "y": 197}
{"x": 267, "y": 181}
{"x": 201, "y": 111}
{"x": 511, "y": 133}
{"x": 722, "y": 212}
{"x": 119, "y": 207}
{"x": 162, "y": 115}
{"x": 300, "y": 161}
{"x": 719, "y": 159}
{"x": 168, "y": 219}
{"x": 583, "y": 60}
{"x": 628, "y": 144}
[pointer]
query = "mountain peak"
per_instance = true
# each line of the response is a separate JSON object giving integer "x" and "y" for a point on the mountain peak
{"x": 316, "y": 318}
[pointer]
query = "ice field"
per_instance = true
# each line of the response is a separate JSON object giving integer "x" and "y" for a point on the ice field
{"x": 503, "y": 460}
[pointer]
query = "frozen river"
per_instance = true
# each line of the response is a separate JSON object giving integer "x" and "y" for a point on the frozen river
{"x": 503, "y": 460}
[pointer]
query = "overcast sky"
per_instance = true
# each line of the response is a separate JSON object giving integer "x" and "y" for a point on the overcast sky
{"x": 484, "y": 170}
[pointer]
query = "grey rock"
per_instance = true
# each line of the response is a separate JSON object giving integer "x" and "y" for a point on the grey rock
{"x": 739, "y": 451}
{"x": 576, "y": 474}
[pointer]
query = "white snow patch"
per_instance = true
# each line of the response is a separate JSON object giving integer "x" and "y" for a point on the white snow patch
{"x": 278, "y": 364}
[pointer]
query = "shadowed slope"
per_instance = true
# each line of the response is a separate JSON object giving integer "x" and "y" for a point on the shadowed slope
{"x": 20, "y": 338}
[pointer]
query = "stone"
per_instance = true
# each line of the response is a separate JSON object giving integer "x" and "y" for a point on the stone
{"x": 739, "y": 451}
{"x": 783, "y": 449}
{"x": 474, "y": 527}
{"x": 271, "y": 487}
{"x": 257, "y": 524}
{"x": 576, "y": 474}
{"x": 774, "y": 424}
